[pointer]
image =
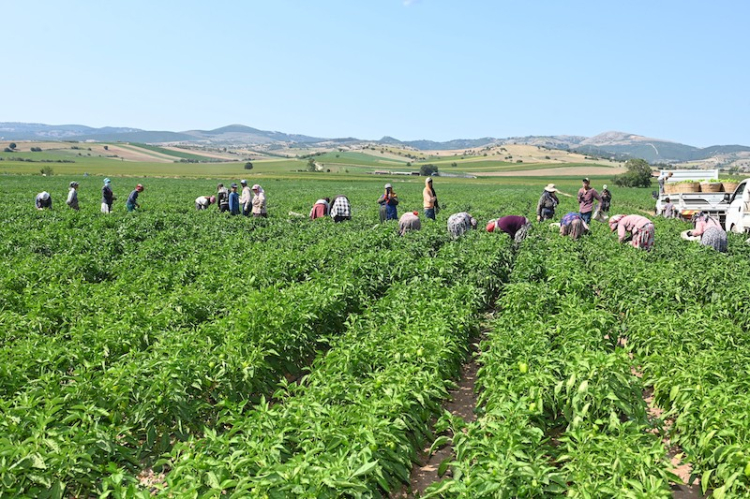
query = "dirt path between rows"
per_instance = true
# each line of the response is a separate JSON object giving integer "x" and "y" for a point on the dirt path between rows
{"x": 462, "y": 403}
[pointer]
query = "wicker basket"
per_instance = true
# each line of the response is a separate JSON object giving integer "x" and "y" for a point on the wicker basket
{"x": 682, "y": 187}
{"x": 729, "y": 186}
{"x": 711, "y": 186}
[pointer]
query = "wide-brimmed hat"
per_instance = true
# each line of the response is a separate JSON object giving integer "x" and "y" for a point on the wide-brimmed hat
{"x": 550, "y": 188}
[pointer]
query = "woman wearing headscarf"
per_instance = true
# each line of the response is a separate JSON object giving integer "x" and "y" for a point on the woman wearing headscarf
{"x": 389, "y": 200}
{"x": 132, "y": 203}
{"x": 515, "y": 226}
{"x": 43, "y": 201}
{"x": 409, "y": 221}
{"x": 72, "y": 200}
{"x": 203, "y": 202}
{"x": 429, "y": 197}
{"x": 545, "y": 208}
{"x": 460, "y": 223}
{"x": 108, "y": 196}
{"x": 573, "y": 225}
{"x": 710, "y": 232}
{"x": 602, "y": 213}
{"x": 259, "y": 202}
{"x": 641, "y": 230}
{"x": 320, "y": 208}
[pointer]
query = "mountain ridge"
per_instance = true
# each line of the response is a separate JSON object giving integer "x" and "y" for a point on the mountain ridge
{"x": 609, "y": 144}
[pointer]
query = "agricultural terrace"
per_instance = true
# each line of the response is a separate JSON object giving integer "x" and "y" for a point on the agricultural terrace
{"x": 178, "y": 353}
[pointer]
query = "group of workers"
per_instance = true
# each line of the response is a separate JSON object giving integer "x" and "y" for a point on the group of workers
{"x": 634, "y": 229}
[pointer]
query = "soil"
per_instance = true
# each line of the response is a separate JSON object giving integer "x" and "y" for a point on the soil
{"x": 462, "y": 403}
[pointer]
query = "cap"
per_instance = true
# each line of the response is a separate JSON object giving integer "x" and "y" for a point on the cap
{"x": 388, "y": 186}
{"x": 233, "y": 185}
{"x": 106, "y": 181}
{"x": 586, "y": 179}
{"x": 74, "y": 184}
{"x": 550, "y": 188}
{"x": 243, "y": 182}
{"x": 491, "y": 226}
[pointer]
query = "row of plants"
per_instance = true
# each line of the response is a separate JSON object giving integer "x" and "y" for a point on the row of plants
{"x": 560, "y": 412}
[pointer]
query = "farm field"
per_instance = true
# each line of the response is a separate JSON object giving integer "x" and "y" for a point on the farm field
{"x": 177, "y": 353}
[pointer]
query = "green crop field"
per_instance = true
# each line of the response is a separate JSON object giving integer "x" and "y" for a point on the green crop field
{"x": 179, "y": 353}
{"x": 173, "y": 153}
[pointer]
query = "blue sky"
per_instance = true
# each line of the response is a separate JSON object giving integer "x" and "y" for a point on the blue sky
{"x": 415, "y": 69}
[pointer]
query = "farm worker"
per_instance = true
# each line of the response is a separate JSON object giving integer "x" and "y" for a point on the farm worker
{"x": 132, "y": 202}
{"x": 246, "y": 199}
{"x": 586, "y": 197}
{"x": 430, "y": 201}
{"x": 573, "y": 225}
{"x": 43, "y": 201}
{"x": 203, "y": 202}
{"x": 389, "y": 200}
{"x": 107, "y": 196}
{"x": 320, "y": 208}
{"x": 460, "y": 223}
{"x": 710, "y": 232}
{"x": 515, "y": 226}
{"x": 234, "y": 201}
{"x": 545, "y": 208}
{"x": 641, "y": 229}
{"x": 669, "y": 210}
{"x": 602, "y": 213}
{"x": 72, "y": 200}
{"x": 223, "y": 198}
{"x": 341, "y": 209}
{"x": 259, "y": 202}
{"x": 663, "y": 180}
{"x": 409, "y": 221}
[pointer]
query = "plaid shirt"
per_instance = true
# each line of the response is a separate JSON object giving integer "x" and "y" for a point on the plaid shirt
{"x": 341, "y": 207}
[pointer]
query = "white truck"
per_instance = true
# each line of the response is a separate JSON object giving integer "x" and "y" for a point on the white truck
{"x": 732, "y": 209}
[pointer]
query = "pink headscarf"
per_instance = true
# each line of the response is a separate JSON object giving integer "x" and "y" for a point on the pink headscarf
{"x": 614, "y": 220}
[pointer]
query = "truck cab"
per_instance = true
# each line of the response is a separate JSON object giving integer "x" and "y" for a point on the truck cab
{"x": 738, "y": 211}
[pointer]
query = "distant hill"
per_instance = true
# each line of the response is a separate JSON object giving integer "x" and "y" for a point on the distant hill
{"x": 613, "y": 144}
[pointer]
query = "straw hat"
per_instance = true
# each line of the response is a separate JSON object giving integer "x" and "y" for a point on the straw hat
{"x": 551, "y": 188}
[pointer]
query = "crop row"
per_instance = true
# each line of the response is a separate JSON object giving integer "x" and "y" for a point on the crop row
{"x": 560, "y": 412}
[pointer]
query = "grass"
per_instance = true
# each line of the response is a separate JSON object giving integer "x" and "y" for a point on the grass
{"x": 175, "y": 154}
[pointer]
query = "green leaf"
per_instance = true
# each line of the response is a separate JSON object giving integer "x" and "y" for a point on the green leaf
{"x": 365, "y": 468}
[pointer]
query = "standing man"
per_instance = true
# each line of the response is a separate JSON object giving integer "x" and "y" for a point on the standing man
{"x": 132, "y": 203}
{"x": 222, "y": 198}
{"x": 586, "y": 197}
{"x": 663, "y": 180}
{"x": 246, "y": 199}
{"x": 108, "y": 196}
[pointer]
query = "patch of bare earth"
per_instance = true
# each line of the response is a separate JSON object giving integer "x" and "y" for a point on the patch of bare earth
{"x": 462, "y": 403}
{"x": 154, "y": 482}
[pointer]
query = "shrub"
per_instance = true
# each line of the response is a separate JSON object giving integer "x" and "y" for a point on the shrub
{"x": 427, "y": 170}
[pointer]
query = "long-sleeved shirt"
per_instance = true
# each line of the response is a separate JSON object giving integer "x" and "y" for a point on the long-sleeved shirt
{"x": 133, "y": 198}
{"x": 234, "y": 203}
{"x": 246, "y": 197}
{"x": 631, "y": 223}
{"x": 223, "y": 197}
{"x": 41, "y": 203}
{"x": 702, "y": 224}
{"x": 548, "y": 201}
{"x": 72, "y": 200}
{"x": 511, "y": 224}
{"x": 341, "y": 207}
{"x": 107, "y": 196}
{"x": 259, "y": 203}
{"x": 408, "y": 222}
{"x": 586, "y": 199}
